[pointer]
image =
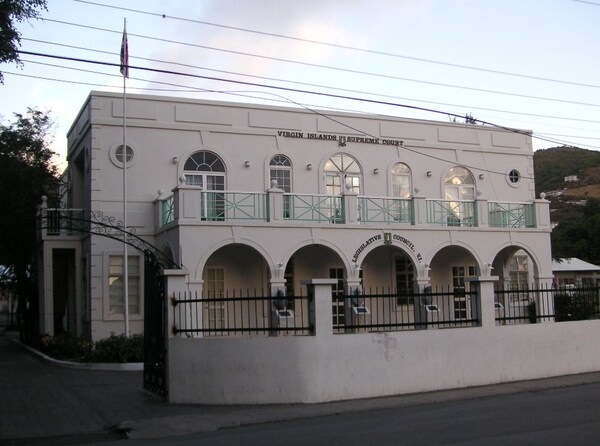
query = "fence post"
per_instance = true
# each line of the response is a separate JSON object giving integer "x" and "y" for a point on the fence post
{"x": 351, "y": 206}
{"x": 483, "y": 215}
{"x": 319, "y": 305}
{"x": 484, "y": 310}
{"x": 175, "y": 285}
{"x": 275, "y": 197}
{"x": 419, "y": 210}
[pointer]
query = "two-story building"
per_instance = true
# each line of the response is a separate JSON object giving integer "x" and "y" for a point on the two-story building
{"x": 254, "y": 197}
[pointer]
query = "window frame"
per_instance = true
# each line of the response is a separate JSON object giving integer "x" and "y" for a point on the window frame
{"x": 106, "y": 275}
{"x": 114, "y": 157}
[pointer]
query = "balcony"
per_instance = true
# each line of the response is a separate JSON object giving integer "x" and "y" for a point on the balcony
{"x": 192, "y": 205}
{"x": 511, "y": 215}
{"x": 63, "y": 222}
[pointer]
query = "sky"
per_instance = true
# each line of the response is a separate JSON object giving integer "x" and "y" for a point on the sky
{"x": 526, "y": 64}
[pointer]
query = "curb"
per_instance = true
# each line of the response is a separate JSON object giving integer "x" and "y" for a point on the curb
{"x": 102, "y": 366}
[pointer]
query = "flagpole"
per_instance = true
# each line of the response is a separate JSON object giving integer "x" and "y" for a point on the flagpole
{"x": 125, "y": 72}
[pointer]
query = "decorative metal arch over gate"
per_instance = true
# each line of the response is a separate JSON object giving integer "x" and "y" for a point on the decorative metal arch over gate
{"x": 67, "y": 221}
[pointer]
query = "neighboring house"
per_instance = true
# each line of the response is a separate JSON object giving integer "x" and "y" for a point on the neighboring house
{"x": 254, "y": 197}
{"x": 575, "y": 272}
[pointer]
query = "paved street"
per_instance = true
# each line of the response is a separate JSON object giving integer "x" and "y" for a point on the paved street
{"x": 558, "y": 416}
{"x": 45, "y": 403}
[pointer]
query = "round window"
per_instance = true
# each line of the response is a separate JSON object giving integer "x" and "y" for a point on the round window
{"x": 514, "y": 176}
{"x": 117, "y": 155}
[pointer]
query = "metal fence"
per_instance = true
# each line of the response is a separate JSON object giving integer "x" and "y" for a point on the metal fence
{"x": 63, "y": 221}
{"x": 542, "y": 304}
{"x": 241, "y": 313}
{"x": 245, "y": 313}
{"x": 392, "y": 311}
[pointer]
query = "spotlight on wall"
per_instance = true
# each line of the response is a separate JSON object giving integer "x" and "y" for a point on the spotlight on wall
{"x": 247, "y": 163}
{"x": 309, "y": 167}
{"x": 175, "y": 160}
{"x": 481, "y": 176}
{"x": 429, "y": 173}
{"x": 376, "y": 171}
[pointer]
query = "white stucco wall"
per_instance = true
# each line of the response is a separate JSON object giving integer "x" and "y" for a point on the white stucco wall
{"x": 327, "y": 367}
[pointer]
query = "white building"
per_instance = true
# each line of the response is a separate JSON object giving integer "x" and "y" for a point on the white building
{"x": 575, "y": 272}
{"x": 249, "y": 197}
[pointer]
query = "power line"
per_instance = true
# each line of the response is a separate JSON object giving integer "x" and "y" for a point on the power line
{"x": 512, "y": 112}
{"x": 345, "y": 47}
{"x": 408, "y": 148}
{"x": 288, "y": 89}
{"x": 329, "y": 67}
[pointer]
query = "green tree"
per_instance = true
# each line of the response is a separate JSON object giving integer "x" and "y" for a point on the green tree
{"x": 11, "y": 13}
{"x": 26, "y": 174}
{"x": 579, "y": 237}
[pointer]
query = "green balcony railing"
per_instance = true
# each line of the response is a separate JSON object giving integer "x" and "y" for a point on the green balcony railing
{"x": 225, "y": 206}
{"x": 511, "y": 215}
{"x": 385, "y": 210}
{"x": 167, "y": 211}
{"x": 452, "y": 212}
{"x": 321, "y": 208}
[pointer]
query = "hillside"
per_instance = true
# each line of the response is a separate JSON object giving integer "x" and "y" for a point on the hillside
{"x": 552, "y": 165}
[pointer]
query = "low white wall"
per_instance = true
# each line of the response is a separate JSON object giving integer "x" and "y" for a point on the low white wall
{"x": 296, "y": 369}
{"x": 327, "y": 367}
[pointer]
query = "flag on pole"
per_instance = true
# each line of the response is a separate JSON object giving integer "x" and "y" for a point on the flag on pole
{"x": 124, "y": 54}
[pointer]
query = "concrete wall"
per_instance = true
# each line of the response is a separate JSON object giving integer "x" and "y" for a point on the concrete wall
{"x": 327, "y": 367}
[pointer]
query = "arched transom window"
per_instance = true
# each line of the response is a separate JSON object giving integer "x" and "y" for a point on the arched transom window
{"x": 342, "y": 170}
{"x": 205, "y": 169}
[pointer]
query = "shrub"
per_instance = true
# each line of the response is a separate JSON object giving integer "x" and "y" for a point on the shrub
{"x": 112, "y": 349}
{"x": 65, "y": 346}
{"x": 118, "y": 349}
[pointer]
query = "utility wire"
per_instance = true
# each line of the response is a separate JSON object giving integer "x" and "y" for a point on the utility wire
{"x": 345, "y": 47}
{"x": 329, "y": 67}
{"x": 288, "y": 89}
{"x": 512, "y": 112}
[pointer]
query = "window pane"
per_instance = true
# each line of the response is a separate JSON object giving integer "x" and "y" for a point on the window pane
{"x": 115, "y": 285}
{"x": 194, "y": 180}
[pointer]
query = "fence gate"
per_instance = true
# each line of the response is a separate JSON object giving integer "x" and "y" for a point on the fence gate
{"x": 155, "y": 321}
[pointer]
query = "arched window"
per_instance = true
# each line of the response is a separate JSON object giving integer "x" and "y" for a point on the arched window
{"x": 401, "y": 179}
{"x": 280, "y": 170}
{"x": 459, "y": 184}
{"x": 342, "y": 170}
{"x": 205, "y": 169}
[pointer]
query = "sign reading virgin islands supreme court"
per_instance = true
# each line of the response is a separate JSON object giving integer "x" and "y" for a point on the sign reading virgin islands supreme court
{"x": 387, "y": 238}
{"x": 342, "y": 139}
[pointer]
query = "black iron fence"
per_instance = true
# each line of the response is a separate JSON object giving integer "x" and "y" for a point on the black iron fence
{"x": 246, "y": 313}
{"x": 392, "y": 311}
{"x": 542, "y": 304}
{"x": 256, "y": 313}
{"x": 240, "y": 313}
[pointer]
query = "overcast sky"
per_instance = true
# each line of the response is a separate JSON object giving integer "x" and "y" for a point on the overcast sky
{"x": 528, "y": 64}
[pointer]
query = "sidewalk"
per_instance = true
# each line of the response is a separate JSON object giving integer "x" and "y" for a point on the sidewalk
{"x": 43, "y": 401}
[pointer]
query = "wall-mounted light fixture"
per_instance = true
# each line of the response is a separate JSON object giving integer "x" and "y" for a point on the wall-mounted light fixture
{"x": 247, "y": 163}
{"x": 309, "y": 167}
{"x": 376, "y": 171}
{"x": 175, "y": 160}
{"x": 429, "y": 173}
{"x": 481, "y": 176}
